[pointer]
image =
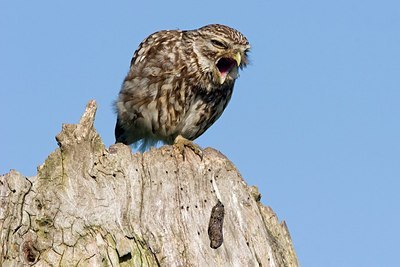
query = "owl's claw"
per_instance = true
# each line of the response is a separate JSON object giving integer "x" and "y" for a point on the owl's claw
{"x": 181, "y": 142}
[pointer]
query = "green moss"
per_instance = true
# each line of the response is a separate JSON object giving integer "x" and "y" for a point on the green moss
{"x": 52, "y": 166}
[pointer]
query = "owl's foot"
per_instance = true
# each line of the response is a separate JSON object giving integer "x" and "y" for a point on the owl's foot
{"x": 181, "y": 142}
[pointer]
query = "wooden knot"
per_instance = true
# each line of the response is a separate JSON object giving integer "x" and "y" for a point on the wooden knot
{"x": 29, "y": 253}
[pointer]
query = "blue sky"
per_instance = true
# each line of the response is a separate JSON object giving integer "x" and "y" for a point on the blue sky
{"x": 313, "y": 122}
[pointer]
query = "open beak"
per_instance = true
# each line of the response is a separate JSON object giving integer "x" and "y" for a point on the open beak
{"x": 226, "y": 64}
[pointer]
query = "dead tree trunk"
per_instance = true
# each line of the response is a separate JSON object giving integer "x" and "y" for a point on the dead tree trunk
{"x": 93, "y": 206}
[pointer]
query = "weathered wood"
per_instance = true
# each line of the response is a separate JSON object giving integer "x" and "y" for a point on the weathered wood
{"x": 93, "y": 206}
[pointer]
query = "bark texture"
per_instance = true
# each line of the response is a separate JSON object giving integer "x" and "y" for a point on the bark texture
{"x": 93, "y": 206}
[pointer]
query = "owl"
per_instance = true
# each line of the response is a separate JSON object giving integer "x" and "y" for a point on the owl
{"x": 178, "y": 85}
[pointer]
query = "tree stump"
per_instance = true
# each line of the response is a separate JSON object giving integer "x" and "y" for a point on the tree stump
{"x": 93, "y": 206}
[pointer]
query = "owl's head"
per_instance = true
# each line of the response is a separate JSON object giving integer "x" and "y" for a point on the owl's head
{"x": 221, "y": 51}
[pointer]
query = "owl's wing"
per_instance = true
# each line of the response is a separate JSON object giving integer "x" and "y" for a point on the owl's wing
{"x": 155, "y": 64}
{"x": 154, "y": 68}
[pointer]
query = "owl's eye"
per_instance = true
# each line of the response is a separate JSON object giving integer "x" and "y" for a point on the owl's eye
{"x": 218, "y": 44}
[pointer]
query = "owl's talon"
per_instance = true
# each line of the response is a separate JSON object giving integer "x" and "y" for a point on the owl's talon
{"x": 181, "y": 142}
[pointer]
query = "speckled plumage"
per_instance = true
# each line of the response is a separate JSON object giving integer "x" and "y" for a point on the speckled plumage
{"x": 179, "y": 83}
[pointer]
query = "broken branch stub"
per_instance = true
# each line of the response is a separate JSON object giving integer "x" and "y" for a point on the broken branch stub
{"x": 89, "y": 205}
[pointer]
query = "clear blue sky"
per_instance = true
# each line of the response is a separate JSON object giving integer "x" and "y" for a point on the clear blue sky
{"x": 313, "y": 122}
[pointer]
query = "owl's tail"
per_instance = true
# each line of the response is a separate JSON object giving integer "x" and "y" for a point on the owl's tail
{"x": 129, "y": 136}
{"x": 120, "y": 136}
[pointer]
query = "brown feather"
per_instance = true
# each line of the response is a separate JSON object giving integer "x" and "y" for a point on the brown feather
{"x": 174, "y": 85}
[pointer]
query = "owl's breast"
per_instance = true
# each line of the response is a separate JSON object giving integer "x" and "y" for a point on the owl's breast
{"x": 205, "y": 108}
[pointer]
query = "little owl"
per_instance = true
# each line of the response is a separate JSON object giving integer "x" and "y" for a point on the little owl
{"x": 178, "y": 85}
